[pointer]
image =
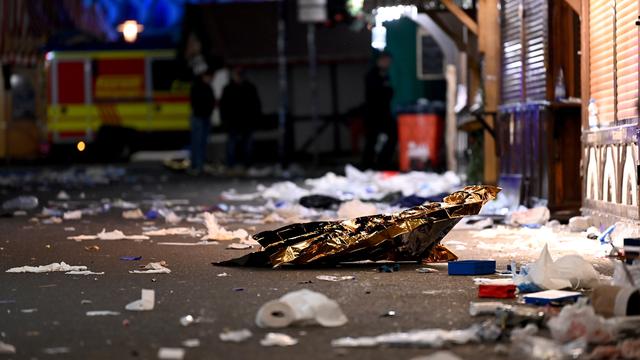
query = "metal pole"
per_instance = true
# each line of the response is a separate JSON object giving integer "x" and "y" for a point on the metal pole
{"x": 282, "y": 84}
{"x": 313, "y": 81}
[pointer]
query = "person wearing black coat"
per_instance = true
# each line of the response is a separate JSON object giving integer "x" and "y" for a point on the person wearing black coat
{"x": 378, "y": 118}
{"x": 202, "y": 105}
{"x": 240, "y": 109}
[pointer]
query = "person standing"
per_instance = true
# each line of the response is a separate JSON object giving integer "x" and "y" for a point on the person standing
{"x": 202, "y": 105}
{"x": 378, "y": 118}
{"x": 240, "y": 108}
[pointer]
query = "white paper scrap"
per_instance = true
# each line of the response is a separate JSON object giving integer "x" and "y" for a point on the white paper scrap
{"x": 145, "y": 303}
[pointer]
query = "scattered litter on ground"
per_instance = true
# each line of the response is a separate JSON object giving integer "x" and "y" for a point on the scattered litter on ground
{"x": 92, "y": 248}
{"x": 53, "y": 267}
{"x": 84, "y": 272}
{"x": 108, "y": 235}
{"x": 135, "y": 214}
{"x": 102, "y": 313}
{"x": 167, "y": 353}
{"x": 552, "y": 297}
{"x": 191, "y": 343}
{"x": 130, "y": 258}
{"x": 385, "y": 268}
{"x": 224, "y": 274}
{"x": 56, "y": 350}
{"x": 497, "y": 291}
{"x": 427, "y": 338}
{"x": 145, "y": 303}
{"x": 356, "y": 208}
{"x": 534, "y": 216}
{"x": 472, "y": 267}
{"x": 239, "y": 246}
{"x": 159, "y": 267}
{"x": 390, "y": 313}
{"x": 580, "y": 321}
{"x": 62, "y": 195}
{"x": 426, "y": 270}
{"x": 611, "y": 300}
{"x": 217, "y": 232}
{"x": 486, "y": 308}
{"x": 23, "y": 202}
{"x": 235, "y": 335}
{"x": 569, "y": 271}
{"x": 7, "y": 348}
{"x": 28, "y": 311}
{"x": 72, "y": 215}
{"x": 173, "y": 231}
{"x": 580, "y": 223}
{"x": 440, "y": 355}
{"x": 335, "y": 278}
{"x": 278, "y": 339}
{"x": 314, "y": 242}
{"x": 204, "y": 242}
{"x": 300, "y": 307}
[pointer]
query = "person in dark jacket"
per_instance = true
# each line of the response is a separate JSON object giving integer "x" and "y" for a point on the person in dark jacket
{"x": 378, "y": 118}
{"x": 240, "y": 108}
{"x": 202, "y": 105}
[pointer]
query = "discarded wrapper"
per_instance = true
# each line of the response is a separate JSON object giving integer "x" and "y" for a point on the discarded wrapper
{"x": 411, "y": 235}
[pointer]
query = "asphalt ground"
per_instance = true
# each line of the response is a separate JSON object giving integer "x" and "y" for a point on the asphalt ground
{"x": 420, "y": 301}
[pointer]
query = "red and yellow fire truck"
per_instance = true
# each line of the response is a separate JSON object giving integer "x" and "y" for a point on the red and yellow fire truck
{"x": 115, "y": 99}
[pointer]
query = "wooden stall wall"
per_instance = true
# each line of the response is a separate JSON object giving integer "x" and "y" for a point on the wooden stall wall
{"x": 539, "y": 137}
{"x": 610, "y": 142}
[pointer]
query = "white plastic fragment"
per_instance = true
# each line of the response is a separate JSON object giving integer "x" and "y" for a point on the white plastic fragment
{"x": 427, "y": 270}
{"x": 103, "y": 313}
{"x": 485, "y": 308}
{"x": 62, "y": 195}
{"x": 439, "y": 355}
{"x": 84, "y": 272}
{"x": 429, "y": 337}
{"x": 569, "y": 271}
{"x": 487, "y": 281}
{"x": 166, "y": 353}
{"x": 335, "y": 278}
{"x": 217, "y": 232}
{"x": 7, "y": 348}
{"x": 72, "y": 215}
{"x": 135, "y": 214}
{"x": 172, "y": 231}
{"x": 533, "y": 216}
{"x": 108, "y": 235}
{"x": 56, "y": 350}
{"x": 191, "y": 343}
{"x": 580, "y": 321}
{"x": 239, "y": 246}
{"x": 28, "y": 311}
{"x": 53, "y": 267}
{"x": 356, "y": 208}
{"x": 278, "y": 339}
{"x": 224, "y": 274}
{"x": 235, "y": 335}
{"x": 300, "y": 307}
{"x": 204, "y": 242}
{"x": 153, "y": 268}
{"x": 145, "y": 303}
{"x": 580, "y": 223}
{"x": 169, "y": 216}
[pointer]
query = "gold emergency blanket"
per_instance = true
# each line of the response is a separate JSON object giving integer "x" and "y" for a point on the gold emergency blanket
{"x": 411, "y": 235}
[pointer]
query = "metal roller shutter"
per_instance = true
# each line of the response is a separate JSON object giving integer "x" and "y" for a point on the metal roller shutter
{"x": 601, "y": 68}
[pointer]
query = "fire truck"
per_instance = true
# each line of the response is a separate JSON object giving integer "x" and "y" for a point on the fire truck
{"x": 114, "y": 102}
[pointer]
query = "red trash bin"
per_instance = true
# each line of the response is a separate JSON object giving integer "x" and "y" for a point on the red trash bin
{"x": 420, "y": 139}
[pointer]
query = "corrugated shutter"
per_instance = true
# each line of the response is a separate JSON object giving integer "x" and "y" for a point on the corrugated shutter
{"x": 601, "y": 29}
{"x": 627, "y": 58}
{"x": 536, "y": 39}
{"x": 511, "y": 52}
